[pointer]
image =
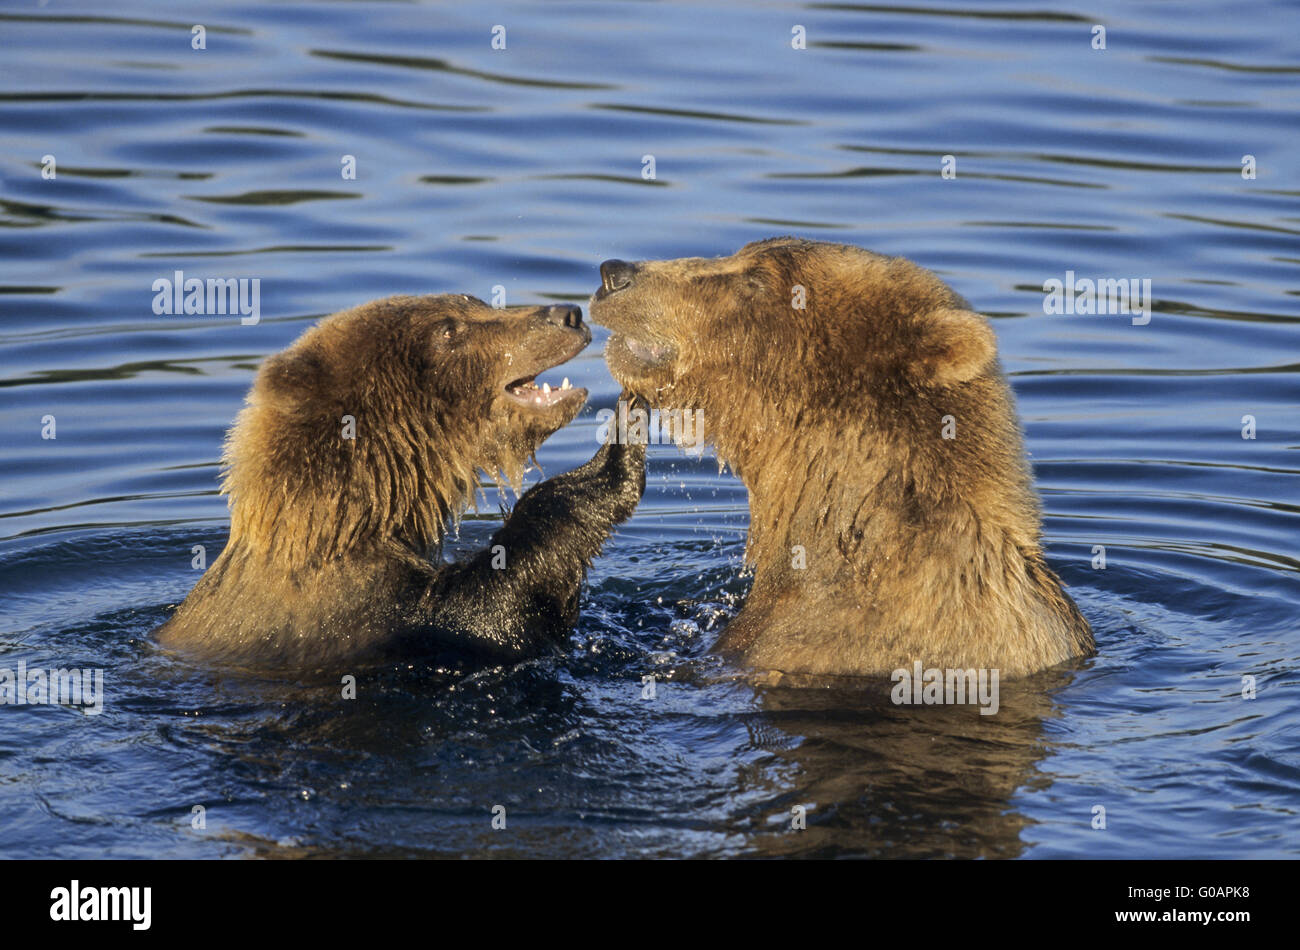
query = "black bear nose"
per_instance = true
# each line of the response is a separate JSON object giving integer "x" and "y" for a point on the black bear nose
{"x": 616, "y": 274}
{"x": 564, "y": 315}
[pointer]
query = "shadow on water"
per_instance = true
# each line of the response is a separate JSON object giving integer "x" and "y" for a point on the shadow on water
{"x": 882, "y": 780}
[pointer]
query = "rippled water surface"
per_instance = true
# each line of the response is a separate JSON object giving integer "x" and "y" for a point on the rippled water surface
{"x": 523, "y": 168}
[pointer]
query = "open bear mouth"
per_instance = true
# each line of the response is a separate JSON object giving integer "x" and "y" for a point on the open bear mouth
{"x": 531, "y": 393}
{"x": 527, "y": 391}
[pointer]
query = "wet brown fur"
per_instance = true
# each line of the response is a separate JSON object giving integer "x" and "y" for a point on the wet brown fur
{"x": 917, "y": 547}
{"x": 334, "y": 542}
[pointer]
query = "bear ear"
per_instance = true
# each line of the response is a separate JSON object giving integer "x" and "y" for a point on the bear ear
{"x": 292, "y": 379}
{"x": 954, "y": 346}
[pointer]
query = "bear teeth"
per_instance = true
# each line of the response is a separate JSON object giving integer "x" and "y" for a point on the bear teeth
{"x": 540, "y": 395}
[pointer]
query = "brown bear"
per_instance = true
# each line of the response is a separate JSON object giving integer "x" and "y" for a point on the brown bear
{"x": 892, "y": 514}
{"x": 360, "y": 443}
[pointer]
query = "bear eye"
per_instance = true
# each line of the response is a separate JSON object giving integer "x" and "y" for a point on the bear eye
{"x": 445, "y": 331}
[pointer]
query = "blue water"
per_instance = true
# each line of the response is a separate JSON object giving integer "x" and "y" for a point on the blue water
{"x": 523, "y": 168}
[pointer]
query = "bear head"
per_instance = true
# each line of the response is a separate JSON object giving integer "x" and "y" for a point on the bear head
{"x": 787, "y": 332}
{"x": 371, "y": 428}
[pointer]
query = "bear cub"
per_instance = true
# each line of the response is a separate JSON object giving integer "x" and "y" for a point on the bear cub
{"x": 893, "y": 517}
{"x": 359, "y": 445}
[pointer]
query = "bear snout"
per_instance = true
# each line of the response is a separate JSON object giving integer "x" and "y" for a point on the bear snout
{"x": 615, "y": 275}
{"x": 564, "y": 315}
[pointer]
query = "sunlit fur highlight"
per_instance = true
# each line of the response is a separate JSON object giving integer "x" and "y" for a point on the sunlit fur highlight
{"x": 330, "y": 537}
{"x": 917, "y": 547}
